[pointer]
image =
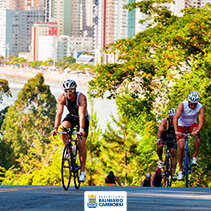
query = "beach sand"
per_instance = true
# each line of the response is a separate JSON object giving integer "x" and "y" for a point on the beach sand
{"x": 49, "y": 75}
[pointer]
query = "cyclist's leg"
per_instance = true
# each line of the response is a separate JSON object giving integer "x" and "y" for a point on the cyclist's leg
{"x": 82, "y": 151}
{"x": 66, "y": 123}
{"x": 173, "y": 152}
{"x": 82, "y": 147}
{"x": 181, "y": 145}
{"x": 194, "y": 128}
{"x": 160, "y": 150}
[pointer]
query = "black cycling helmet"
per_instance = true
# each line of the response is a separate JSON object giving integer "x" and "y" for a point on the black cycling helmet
{"x": 111, "y": 174}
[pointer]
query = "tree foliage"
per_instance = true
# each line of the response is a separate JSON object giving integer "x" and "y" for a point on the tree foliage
{"x": 65, "y": 62}
{"x": 31, "y": 117}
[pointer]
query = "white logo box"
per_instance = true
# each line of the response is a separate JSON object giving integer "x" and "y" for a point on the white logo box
{"x": 105, "y": 200}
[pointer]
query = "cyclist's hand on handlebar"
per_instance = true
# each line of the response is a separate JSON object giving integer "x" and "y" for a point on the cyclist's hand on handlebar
{"x": 82, "y": 132}
{"x": 178, "y": 133}
{"x": 194, "y": 133}
{"x": 158, "y": 142}
{"x": 54, "y": 132}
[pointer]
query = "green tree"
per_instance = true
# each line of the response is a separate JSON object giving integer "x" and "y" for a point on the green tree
{"x": 30, "y": 118}
{"x": 48, "y": 62}
{"x": 35, "y": 63}
{"x": 93, "y": 146}
{"x": 119, "y": 151}
{"x": 65, "y": 62}
{"x": 74, "y": 66}
{"x": 17, "y": 60}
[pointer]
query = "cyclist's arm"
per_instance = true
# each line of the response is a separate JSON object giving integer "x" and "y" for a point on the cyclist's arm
{"x": 116, "y": 179}
{"x": 142, "y": 183}
{"x": 177, "y": 116}
{"x": 82, "y": 112}
{"x": 201, "y": 118}
{"x": 152, "y": 180}
{"x": 161, "y": 128}
{"x": 59, "y": 112}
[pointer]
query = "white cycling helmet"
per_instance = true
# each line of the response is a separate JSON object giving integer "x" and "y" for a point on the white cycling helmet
{"x": 172, "y": 112}
{"x": 69, "y": 84}
{"x": 194, "y": 97}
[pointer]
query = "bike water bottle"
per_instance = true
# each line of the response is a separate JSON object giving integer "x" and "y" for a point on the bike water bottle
{"x": 74, "y": 149}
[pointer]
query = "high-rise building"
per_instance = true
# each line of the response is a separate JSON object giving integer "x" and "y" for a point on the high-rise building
{"x": 12, "y": 4}
{"x": 181, "y": 4}
{"x": 131, "y": 21}
{"x": 121, "y": 20}
{"x": 15, "y": 30}
{"x": 74, "y": 17}
{"x": 112, "y": 22}
{"x": 41, "y": 29}
{"x": 31, "y": 3}
{"x": 61, "y": 14}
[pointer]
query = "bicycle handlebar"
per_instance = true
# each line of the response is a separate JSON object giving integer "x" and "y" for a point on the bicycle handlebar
{"x": 74, "y": 133}
{"x": 189, "y": 134}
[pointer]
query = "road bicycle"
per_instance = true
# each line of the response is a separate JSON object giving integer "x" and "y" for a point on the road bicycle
{"x": 70, "y": 161}
{"x": 186, "y": 162}
{"x": 167, "y": 172}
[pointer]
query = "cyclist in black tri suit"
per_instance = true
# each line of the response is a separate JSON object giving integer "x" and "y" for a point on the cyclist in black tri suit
{"x": 147, "y": 181}
{"x": 166, "y": 134}
{"x": 76, "y": 104}
{"x": 157, "y": 178}
{"x": 112, "y": 179}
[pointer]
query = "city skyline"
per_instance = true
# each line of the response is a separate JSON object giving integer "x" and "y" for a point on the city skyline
{"x": 104, "y": 21}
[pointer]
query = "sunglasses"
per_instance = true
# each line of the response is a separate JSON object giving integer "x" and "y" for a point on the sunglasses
{"x": 69, "y": 91}
{"x": 171, "y": 118}
{"x": 192, "y": 104}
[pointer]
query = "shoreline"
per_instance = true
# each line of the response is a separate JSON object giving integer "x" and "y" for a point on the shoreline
{"x": 49, "y": 75}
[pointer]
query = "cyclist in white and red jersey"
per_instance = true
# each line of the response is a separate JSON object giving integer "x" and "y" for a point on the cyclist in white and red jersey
{"x": 186, "y": 119}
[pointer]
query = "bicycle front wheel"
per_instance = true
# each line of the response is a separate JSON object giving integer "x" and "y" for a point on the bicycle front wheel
{"x": 186, "y": 168}
{"x": 66, "y": 170}
{"x": 77, "y": 169}
{"x": 168, "y": 172}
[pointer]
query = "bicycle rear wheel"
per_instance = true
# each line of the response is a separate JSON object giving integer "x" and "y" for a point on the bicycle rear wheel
{"x": 66, "y": 170}
{"x": 77, "y": 169}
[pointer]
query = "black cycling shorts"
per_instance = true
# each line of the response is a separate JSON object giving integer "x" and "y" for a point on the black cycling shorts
{"x": 170, "y": 143}
{"x": 74, "y": 121}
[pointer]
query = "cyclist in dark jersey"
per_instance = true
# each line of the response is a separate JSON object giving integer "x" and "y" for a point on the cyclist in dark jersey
{"x": 112, "y": 179}
{"x": 76, "y": 104}
{"x": 147, "y": 181}
{"x": 166, "y": 134}
{"x": 157, "y": 178}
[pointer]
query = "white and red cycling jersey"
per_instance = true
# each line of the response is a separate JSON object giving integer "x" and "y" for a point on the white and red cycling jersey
{"x": 188, "y": 116}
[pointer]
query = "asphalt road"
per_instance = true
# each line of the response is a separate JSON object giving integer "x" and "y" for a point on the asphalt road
{"x": 36, "y": 198}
